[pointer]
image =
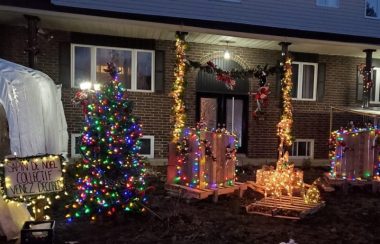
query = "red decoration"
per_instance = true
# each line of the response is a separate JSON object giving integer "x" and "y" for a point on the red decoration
{"x": 367, "y": 81}
{"x": 227, "y": 80}
{"x": 261, "y": 98}
{"x": 229, "y": 77}
{"x": 81, "y": 97}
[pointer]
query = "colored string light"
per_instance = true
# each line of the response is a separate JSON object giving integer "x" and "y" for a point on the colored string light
{"x": 338, "y": 149}
{"x": 111, "y": 176}
{"x": 192, "y": 151}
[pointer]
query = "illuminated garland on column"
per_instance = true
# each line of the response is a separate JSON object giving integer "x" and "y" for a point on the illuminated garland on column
{"x": 178, "y": 88}
{"x": 367, "y": 82}
{"x": 284, "y": 127}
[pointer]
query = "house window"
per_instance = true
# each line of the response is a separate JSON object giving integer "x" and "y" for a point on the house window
{"x": 328, "y": 3}
{"x": 302, "y": 148}
{"x": 304, "y": 81}
{"x": 75, "y": 145}
{"x": 147, "y": 146}
{"x": 136, "y": 66}
{"x": 372, "y": 8}
{"x": 375, "y": 90}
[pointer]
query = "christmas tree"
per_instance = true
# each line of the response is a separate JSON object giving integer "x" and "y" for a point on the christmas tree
{"x": 111, "y": 176}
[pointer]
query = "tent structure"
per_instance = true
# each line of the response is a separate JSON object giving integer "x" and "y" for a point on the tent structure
{"x": 34, "y": 110}
{"x": 37, "y": 125}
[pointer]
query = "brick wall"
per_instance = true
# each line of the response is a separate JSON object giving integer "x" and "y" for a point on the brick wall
{"x": 311, "y": 119}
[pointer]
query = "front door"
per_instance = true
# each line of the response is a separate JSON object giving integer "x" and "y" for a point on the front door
{"x": 225, "y": 111}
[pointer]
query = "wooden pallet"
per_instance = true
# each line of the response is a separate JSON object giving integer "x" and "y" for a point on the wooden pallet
{"x": 261, "y": 189}
{"x": 256, "y": 187}
{"x": 188, "y": 192}
{"x": 285, "y": 207}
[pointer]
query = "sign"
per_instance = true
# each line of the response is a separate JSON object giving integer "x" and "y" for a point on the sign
{"x": 33, "y": 175}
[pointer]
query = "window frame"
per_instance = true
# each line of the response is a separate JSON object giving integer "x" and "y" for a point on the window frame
{"x": 377, "y": 10}
{"x": 327, "y": 6}
{"x": 73, "y": 154}
{"x": 151, "y": 154}
{"x": 93, "y": 52}
{"x": 377, "y": 85}
{"x": 299, "y": 78}
{"x": 311, "y": 149}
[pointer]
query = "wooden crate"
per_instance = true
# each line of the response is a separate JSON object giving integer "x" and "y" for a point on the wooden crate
{"x": 188, "y": 192}
{"x": 285, "y": 207}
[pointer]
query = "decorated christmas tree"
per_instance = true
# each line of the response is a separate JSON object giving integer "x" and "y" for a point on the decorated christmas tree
{"x": 111, "y": 175}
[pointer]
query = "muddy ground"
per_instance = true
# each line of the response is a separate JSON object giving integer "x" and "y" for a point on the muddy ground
{"x": 351, "y": 218}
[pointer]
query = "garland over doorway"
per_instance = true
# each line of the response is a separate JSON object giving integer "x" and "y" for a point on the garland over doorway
{"x": 227, "y": 77}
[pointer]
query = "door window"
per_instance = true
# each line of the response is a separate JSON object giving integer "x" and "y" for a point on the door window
{"x": 234, "y": 117}
{"x": 209, "y": 112}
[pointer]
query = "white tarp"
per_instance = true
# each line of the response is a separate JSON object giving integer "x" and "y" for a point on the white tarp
{"x": 12, "y": 217}
{"x": 33, "y": 106}
{"x": 37, "y": 125}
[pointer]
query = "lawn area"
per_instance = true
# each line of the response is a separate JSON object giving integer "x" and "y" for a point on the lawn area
{"x": 351, "y": 218}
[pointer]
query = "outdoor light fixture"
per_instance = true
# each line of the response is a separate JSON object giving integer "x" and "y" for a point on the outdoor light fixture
{"x": 86, "y": 85}
{"x": 227, "y": 54}
{"x": 96, "y": 86}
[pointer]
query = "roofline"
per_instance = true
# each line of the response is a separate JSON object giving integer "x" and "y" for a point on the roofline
{"x": 186, "y": 22}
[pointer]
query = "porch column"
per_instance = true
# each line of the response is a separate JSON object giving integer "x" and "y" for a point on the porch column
{"x": 367, "y": 82}
{"x": 32, "y": 45}
{"x": 284, "y": 126}
{"x": 284, "y": 51}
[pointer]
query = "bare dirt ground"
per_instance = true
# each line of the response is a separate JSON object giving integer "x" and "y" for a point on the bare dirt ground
{"x": 351, "y": 218}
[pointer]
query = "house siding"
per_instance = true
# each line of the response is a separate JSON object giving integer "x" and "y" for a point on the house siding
{"x": 348, "y": 18}
{"x": 311, "y": 119}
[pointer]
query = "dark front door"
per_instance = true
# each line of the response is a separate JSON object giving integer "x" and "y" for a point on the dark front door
{"x": 225, "y": 111}
{"x": 219, "y": 106}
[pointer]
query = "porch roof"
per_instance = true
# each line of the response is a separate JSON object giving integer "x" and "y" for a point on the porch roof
{"x": 116, "y": 26}
{"x": 370, "y": 112}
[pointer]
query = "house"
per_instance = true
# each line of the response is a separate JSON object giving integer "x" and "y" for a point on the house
{"x": 328, "y": 39}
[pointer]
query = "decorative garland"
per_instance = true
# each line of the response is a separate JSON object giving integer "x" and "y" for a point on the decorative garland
{"x": 284, "y": 127}
{"x": 229, "y": 77}
{"x": 178, "y": 89}
{"x": 367, "y": 81}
